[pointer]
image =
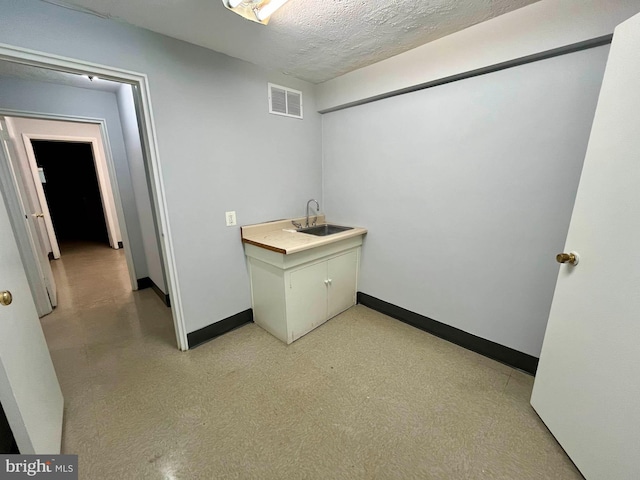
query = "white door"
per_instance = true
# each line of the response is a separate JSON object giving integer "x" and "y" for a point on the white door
{"x": 31, "y": 244}
{"x": 42, "y": 199}
{"x": 29, "y": 389}
{"x": 587, "y": 388}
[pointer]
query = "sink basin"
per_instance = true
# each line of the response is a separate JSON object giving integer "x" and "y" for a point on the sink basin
{"x": 324, "y": 230}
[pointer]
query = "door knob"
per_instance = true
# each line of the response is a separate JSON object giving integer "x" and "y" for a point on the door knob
{"x": 572, "y": 257}
{"x": 38, "y": 215}
{"x": 6, "y": 298}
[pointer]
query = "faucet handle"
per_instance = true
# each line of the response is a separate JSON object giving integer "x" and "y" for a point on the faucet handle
{"x": 296, "y": 224}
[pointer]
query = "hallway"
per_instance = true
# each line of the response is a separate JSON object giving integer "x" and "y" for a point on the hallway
{"x": 362, "y": 397}
{"x": 103, "y": 338}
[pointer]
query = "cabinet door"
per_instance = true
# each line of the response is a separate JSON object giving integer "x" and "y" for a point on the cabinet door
{"x": 343, "y": 274}
{"x": 306, "y": 299}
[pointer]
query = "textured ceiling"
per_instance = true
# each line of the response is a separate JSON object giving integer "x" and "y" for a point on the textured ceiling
{"x": 26, "y": 72}
{"x": 315, "y": 40}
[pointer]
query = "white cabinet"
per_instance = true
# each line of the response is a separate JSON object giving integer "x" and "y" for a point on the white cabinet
{"x": 293, "y": 294}
{"x": 306, "y": 299}
{"x": 318, "y": 292}
{"x": 342, "y": 273}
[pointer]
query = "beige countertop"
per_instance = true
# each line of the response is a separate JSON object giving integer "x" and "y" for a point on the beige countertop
{"x": 281, "y": 236}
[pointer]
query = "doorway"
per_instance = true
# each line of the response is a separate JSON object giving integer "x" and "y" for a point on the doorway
{"x": 50, "y": 134}
{"x": 144, "y": 126}
{"x": 7, "y": 440}
{"x": 61, "y": 145}
{"x": 140, "y": 102}
{"x": 70, "y": 183}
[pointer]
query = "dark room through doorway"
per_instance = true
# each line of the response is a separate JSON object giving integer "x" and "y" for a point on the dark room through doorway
{"x": 71, "y": 187}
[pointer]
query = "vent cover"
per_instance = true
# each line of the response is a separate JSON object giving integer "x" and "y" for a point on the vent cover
{"x": 285, "y": 101}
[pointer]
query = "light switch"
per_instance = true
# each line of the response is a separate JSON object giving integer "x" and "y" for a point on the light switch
{"x": 231, "y": 218}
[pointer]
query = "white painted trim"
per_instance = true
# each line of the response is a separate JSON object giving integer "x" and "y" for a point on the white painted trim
{"x": 104, "y": 184}
{"x": 115, "y": 191}
{"x": 150, "y": 144}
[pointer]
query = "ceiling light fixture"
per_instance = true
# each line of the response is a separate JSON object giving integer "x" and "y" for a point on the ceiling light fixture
{"x": 267, "y": 10}
{"x": 255, "y": 10}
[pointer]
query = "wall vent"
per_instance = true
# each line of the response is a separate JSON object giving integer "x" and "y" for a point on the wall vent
{"x": 285, "y": 101}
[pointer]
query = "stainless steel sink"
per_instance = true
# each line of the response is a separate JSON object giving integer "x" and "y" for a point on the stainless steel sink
{"x": 324, "y": 230}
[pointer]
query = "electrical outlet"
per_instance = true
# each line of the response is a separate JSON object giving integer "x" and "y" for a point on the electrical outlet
{"x": 231, "y": 218}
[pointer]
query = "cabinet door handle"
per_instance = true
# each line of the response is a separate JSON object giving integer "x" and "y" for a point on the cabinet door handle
{"x": 329, "y": 281}
{"x": 326, "y": 282}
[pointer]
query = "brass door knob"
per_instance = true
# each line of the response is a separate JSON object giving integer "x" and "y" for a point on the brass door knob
{"x": 572, "y": 257}
{"x": 6, "y": 298}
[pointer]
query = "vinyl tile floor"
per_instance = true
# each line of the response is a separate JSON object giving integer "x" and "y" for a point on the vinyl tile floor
{"x": 362, "y": 397}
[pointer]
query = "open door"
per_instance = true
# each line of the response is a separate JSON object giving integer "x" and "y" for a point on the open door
{"x": 31, "y": 245}
{"x": 587, "y": 387}
{"x": 42, "y": 199}
{"x": 29, "y": 389}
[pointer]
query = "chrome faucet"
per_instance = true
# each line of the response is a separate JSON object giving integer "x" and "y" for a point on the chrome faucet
{"x": 317, "y": 210}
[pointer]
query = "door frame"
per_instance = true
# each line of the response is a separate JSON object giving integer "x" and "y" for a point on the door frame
{"x": 105, "y": 185}
{"x": 150, "y": 145}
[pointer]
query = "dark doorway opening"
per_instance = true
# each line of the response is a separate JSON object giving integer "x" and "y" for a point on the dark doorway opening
{"x": 7, "y": 441}
{"x": 72, "y": 190}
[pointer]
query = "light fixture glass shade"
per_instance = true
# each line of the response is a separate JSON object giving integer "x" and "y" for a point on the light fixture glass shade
{"x": 255, "y": 10}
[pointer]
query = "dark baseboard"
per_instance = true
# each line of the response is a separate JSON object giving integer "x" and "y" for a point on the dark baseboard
{"x": 219, "y": 328}
{"x": 495, "y": 351}
{"x": 163, "y": 296}
{"x": 120, "y": 245}
{"x": 146, "y": 282}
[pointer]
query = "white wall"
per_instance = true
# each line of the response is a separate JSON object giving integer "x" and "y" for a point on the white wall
{"x": 131, "y": 135}
{"x": 467, "y": 191}
{"x": 40, "y": 97}
{"x": 50, "y": 129}
{"x": 536, "y": 28}
{"x": 218, "y": 146}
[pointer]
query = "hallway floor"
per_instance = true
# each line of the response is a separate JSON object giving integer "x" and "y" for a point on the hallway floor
{"x": 362, "y": 397}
